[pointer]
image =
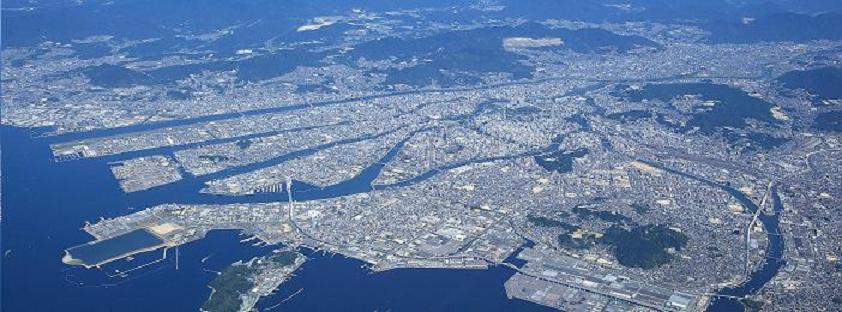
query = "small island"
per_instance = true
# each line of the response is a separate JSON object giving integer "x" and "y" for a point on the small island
{"x": 239, "y": 286}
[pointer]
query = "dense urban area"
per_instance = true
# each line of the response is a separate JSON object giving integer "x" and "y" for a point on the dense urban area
{"x": 612, "y": 166}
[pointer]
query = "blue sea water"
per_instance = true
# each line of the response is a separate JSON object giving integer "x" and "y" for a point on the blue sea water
{"x": 45, "y": 204}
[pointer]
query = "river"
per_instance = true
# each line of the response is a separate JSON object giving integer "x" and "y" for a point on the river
{"x": 46, "y": 204}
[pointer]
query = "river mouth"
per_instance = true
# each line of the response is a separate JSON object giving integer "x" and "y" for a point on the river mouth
{"x": 34, "y": 187}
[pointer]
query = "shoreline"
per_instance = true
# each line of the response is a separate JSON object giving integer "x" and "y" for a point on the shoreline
{"x": 69, "y": 259}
